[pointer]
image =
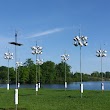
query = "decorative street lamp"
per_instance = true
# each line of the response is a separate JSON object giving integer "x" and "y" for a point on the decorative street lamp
{"x": 18, "y": 65}
{"x": 16, "y": 90}
{"x": 36, "y": 50}
{"x": 39, "y": 62}
{"x": 81, "y": 41}
{"x": 101, "y": 53}
{"x": 65, "y": 57}
{"x": 8, "y": 56}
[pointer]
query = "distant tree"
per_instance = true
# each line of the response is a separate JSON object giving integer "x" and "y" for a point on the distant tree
{"x": 77, "y": 77}
{"x": 86, "y": 77}
{"x": 95, "y": 74}
{"x": 107, "y": 74}
{"x": 28, "y": 72}
{"x": 32, "y": 74}
{"x": 29, "y": 62}
{"x": 47, "y": 72}
{"x": 3, "y": 74}
{"x": 60, "y": 72}
{"x": 12, "y": 75}
{"x": 102, "y": 74}
{"x": 23, "y": 74}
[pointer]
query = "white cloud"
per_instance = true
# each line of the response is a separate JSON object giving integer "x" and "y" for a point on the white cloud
{"x": 46, "y": 32}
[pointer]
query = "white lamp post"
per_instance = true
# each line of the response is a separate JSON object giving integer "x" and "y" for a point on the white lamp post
{"x": 36, "y": 50}
{"x": 65, "y": 57}
{"x": 16, "y": 90}
{"x": 18, "y": 65}
{"x": 81, "y": 41}
{"x": 8, "y": 56}
{"x": 101, "y": 53}
{"x": 39, "y": 62}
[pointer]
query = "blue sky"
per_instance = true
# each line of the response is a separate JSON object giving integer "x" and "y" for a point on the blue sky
{"x": 54, "y": 24}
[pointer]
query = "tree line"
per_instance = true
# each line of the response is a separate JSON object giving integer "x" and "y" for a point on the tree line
{"x": 49, "y": 72}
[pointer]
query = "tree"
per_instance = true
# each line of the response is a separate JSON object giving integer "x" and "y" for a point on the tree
{"x": 12, "y": 75}
{"x": 32, "y": 74}
{"x": 28, "y": 62}
{"x": 60, "y": 72}
{"x": 77, "y": 77}
{"x": 47, "y": 72}
{"x": 3, "y": 74}
{"x": 23, "y": 74}
{"x": 86, "y": 77}
{"x": 28, "y": 72}
{"x": 95, "y": 76}
{"x": 107, "y": 74}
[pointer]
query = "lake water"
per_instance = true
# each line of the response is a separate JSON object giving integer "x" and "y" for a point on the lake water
{"x": 71, "y": 86}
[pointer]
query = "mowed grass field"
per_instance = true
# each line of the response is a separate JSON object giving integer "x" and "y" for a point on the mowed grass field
{"x": 48, "y": 99}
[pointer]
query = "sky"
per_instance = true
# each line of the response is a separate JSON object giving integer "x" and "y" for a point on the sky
{"x": 54, "y": 24}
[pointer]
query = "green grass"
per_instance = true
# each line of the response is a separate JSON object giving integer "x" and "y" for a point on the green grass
{"x": 55, "y": 100}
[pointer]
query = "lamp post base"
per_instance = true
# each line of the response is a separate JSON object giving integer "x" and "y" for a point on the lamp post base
{"x": 36, "y": 88}
{"x": 81, "y": 88}
{"x": 16, "y": 96}
{"x": 8, "y": 86}
{"x": 102, "y": 86}
{"x": 18, "y": 85}
{"x": 39, "y": 85}
{"x": 65, "y": 85}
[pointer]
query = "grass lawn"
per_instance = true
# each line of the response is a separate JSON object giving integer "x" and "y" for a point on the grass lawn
{"x": 55, "y": 100}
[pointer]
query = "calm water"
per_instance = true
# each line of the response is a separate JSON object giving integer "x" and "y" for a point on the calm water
{"x": 71, "y": 86}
